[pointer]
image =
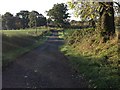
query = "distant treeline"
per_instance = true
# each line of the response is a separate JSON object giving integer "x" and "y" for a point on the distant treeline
{"x": 23, "y": 19}
{"x": 83, "y": 24}
{"x": 90, "y": 23}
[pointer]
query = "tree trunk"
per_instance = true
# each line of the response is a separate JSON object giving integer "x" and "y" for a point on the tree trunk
{"x": 107, "y": 24}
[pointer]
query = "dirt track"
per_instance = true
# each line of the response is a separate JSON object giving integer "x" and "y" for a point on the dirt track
{"x": 44, "y": 67}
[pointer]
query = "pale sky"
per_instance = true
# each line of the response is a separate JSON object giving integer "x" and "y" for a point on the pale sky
{"x": 14, "y": 6}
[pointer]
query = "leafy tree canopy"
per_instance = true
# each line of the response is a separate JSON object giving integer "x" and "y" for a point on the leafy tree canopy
{"x": 104, "y": 11}
{"x": 23, "y": 14}
{"x": 36, "y": 19}
{"x": 59, "y": 14}
{"x": 7, "y": 18}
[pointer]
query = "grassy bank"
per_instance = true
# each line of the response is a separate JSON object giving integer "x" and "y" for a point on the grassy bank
{"x": 93, "y": 59}
{"x": 17, "y": 42}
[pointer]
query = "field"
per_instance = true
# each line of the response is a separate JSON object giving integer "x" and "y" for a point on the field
{"x": 93, "y": 59}
{"x": 17, "y": 42}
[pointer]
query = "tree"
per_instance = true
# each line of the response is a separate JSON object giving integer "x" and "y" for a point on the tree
{"x": 36, "y": 19}
{"x": 18, "y": 22}
{"x": 49, "y": 22}
{"x": 107, "y": 24}
{"x": 8, "y": 21}
{"x": 58, "y": 14}
{"x": 41, "y": 20}
{"x": 32, "y": 19}
{"x": 24, "y": 18}
{"x": 93, "y": 10}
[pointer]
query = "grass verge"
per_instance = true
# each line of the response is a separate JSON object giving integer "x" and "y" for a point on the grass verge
{"x": 96, "y": 61}
{"x": 18, "y": 42}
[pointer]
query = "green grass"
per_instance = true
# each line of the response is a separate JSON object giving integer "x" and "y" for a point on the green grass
{"x": 17, "y": 42}
{"x": 96, "y": 61}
